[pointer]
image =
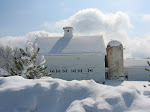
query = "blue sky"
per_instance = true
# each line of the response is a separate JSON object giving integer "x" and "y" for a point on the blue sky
{"x": 20, "y": 17}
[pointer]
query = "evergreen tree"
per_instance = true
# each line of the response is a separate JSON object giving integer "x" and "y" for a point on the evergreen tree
{"x": 149, "y": 65}
{"x": 147, "y": 68}
{"x": 27, "y": 65}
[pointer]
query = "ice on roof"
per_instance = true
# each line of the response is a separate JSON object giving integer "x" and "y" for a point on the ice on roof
{"x": 74, "y": 45}
{"x": 131, "y": 62}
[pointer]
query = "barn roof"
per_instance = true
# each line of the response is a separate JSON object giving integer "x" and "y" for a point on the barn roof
{"x": 131, "y": 62}
{"x": 68, "y": 45}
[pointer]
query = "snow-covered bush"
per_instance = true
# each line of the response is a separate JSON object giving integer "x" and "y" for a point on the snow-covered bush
{"x": 4, "y": 73}
{"x": 27, "y": 64}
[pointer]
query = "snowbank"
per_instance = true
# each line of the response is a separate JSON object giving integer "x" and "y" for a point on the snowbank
{"x": 55, "y": 95}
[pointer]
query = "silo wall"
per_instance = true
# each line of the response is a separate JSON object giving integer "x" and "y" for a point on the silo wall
{"x": 115, "y": 62}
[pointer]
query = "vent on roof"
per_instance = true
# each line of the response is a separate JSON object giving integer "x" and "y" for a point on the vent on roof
{"x": 68, "y": 31}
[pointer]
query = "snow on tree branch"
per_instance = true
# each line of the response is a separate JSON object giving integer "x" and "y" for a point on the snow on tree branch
{"x": 26, "y": 64}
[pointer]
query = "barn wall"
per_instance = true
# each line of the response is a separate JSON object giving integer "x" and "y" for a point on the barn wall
{"x": 76, "y": 67}
{"x": 137, "y": 74}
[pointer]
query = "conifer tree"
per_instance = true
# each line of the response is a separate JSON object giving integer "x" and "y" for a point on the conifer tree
{"x": 147, "y": 68}
{"x": 149, "y": 65}
{"x": 27, "y": 65}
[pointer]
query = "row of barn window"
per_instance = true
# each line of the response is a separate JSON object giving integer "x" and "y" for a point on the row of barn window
{"x": 72, "y": 70}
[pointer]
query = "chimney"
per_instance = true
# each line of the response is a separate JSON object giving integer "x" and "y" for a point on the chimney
{"x": 68, "y": 31}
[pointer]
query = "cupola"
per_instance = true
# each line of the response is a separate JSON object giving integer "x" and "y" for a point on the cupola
{"x": 68, "y": 31}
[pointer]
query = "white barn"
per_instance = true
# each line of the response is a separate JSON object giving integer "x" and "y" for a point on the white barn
{"x": 135, "y": 69}
{"x": 74, "y": 57}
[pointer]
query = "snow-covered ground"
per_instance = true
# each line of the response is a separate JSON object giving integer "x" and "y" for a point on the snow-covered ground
{"x": 55, "y": 95}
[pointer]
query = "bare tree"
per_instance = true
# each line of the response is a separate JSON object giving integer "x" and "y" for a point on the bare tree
{"x": 7, "y": 57}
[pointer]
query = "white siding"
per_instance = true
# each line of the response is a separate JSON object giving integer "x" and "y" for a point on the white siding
{"x": 76, "y": 67}
{"x": 137, "y": 74}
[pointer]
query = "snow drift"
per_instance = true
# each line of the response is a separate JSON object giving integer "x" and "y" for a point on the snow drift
{"x": 55, "y": 95}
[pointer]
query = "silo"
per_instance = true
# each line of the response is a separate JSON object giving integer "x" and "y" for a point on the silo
{"x": 115, "y": 60}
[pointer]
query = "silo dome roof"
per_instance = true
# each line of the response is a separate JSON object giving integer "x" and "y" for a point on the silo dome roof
{"x": 114, "y": 43}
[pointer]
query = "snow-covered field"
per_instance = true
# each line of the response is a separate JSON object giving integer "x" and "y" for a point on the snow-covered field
{"x": 55, "y": 95}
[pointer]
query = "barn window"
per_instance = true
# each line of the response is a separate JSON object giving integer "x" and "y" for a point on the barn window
{"x": 74, "y": 70}
{"x": 67, "y": 30}
{"x": 57, "y": 71}
{"x": 90, "y": 70}
{"x": 64, "y": 71}
{"x": 79, "y": 70}
{"x": 51, "y": 71}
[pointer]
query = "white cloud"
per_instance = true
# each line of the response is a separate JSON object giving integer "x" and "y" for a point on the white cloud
{"x": 113, "y": 26}
{"x": 93, "y": 21}
{"x": 138, "y": 47}
{"x": 146, "y": 17}
{"x": 13, "y": 41}
{"x": 20, "y": 41}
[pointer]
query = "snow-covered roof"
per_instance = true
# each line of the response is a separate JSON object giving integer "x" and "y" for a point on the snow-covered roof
{"x": 131, "y": 62}
{"x": 67, "y": 27}
{"x": 114, "y": 43}
{"x": 68, "y": 45}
